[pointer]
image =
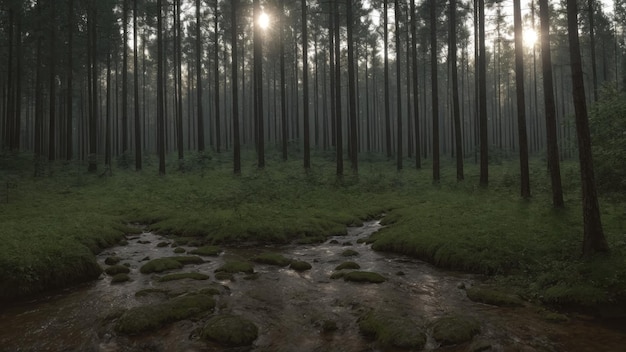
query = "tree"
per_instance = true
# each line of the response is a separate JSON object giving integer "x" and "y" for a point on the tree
{"x": 125, "y": 76}
{"x": 386, "y": 50}
{"x": 283, "y": 87}
{"x": 482, "y": 100}
{"x": 93, "y": 85}
{"x": 548, "y": 92}
{"x": 216, "y": 58}
{"x": 593, "y": 239}
{"x": 258, "y": 84}
{"x": 414, "y": 71}
{"x": 352, "y": 88}
{"x": 199, "y": 112}
{"x": 592, "y": 44}
{"x": 337, "y": 90}
{"x": 235, "y": 90}
{"x": 305, "y": 87}
{"x": 521, "y": 100}
{"x": 70, "y": 81}
{"x": 160, "y": 88}
{"x": 138, "y": 161}
{"x": 53, "y": 82}
{"x": 455, "y": 93}
{"x": 435, "y": 88}
{"x": 398, "y": 88}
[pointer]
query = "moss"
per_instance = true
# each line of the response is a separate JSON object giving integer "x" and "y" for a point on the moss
{"x": 493, "y": 297}
{"x": 212, "y": 251}
{"x": 230, "y": 330}
{"x": 348, "y": 265}
{"x": 300, "y": 266}
{"x": 112, "y": 260}
{"x": 453, "y": 330}
{"x": 123, "y": 243}
{"x": 234, "y": 267}
{"x": 169, "y": 263}
{"x": 364, "y": 276}
{"x": 151, "y": 317}
{"x": 392, "y": 330}
{"x": 272, "y": 259}
{"x": 223, "y": 276}
{"x": 337, "y": 275}
{"x": 349, "y": 253}
{"x": 151, "y": 291}
{"x": 163, "y": 244}
{"x": 121, "y": 277}
{"x": 117, "y": 269}
{"x": 181, "y": 276}
{"x": 554, "y": 317}
{"x": 179, "y": 250}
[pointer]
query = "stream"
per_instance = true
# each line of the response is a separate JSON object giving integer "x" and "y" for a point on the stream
{"x": 290, "y": 307}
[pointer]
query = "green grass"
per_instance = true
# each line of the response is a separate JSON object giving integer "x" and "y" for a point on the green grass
{"x": 53, "y": 225}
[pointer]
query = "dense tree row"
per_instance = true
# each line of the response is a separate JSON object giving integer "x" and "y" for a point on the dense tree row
{"x": 123, "y": 79}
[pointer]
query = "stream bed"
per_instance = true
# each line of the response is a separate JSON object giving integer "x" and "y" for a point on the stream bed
{"x": 291, "y": 309}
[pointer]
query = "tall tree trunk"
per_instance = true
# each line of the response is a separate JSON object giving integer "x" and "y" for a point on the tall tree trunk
{"x": 125, "y": 77}
{"x": 200, "y": 116}
{"x": 109, "y": 88}
{"x": 386, "y": 54}
{"x": 138, "y": 161}
{"x": 548, "y": 91}
{"x": 70, "y": 82}
{"x": 235, "y": 89}
{"x": 592, "y": 44}
{"x": 160, "y": 87}
{"x": 414, "y": 74}
{"x": 435, "y": 88}
{"x": 398, "y": 88}
{"x": 337, "y": 58}
{"x": 352, "y": 89}
{"x": 53, "y": 84}
{"x": 458, "y": 137}
{"x": 283, "y": 88}
{"x": 216, "y": 57}
{"x": 593, "y": 239}
{"x": 305, "y": 88}
{"x": 38, "y": 91}
{"x": 258, "y": 91}
{"x": 93, "y": 104}
{"x": 521, "y": 100}
{"x": 482, "y": 101}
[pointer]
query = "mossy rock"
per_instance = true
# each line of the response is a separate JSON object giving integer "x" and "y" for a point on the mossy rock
{"x": 300, "y": 266}
{"x": 112, "y": 260}
{"x": 179, "y": 250}
{"x": 169, "y": 263}
{"x": 554, "y": 317}
{"x": 349, "y": 253}
{"x": 117, "y": 269}
{"x": 392, "y": 330}
{"x": 212, "y": 251}
{"x": 454, "y": 330}
{"x": 272, "y": 259}
{"x": 495, "y": 298}
{"x": 230, "y": 330}
{"x": 163, "y": 244}
{"x": 337, "y": 275}
{"x": 151, "y": 291}
{"x": 364, "y": 276}
{"x": 223, "y": 276}
{"x": 181, "y": 276}
{"x": 119, "y": 278}
{"x": 348, "y": 266}
{"x": 234, "y": 267}
{"x": 151, "y": 317}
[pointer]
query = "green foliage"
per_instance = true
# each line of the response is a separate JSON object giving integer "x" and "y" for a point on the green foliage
{"x": 149, "y": 318}
{"x": 230, "y": 330}
{"x": 608, "y": 128}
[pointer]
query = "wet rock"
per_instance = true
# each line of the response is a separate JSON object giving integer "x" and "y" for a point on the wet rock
{"x": 461, "y": 286}
{"x": 122, "y": 243}
{"x": 151, "y": 317}
{"x": 151, "y": 291}
{"x": 329, "y": 326}
{"x": 333, "y": 242}
{"x": 163, "y": 244}
{"x": 234, "y": 267}
{"x": 145, "y": 259}
{"x": 364, "y": 276}
{"x": 480, "y": 346}
{"x": 496, "y": 298}
{"x": 392, "y": 329}
{"x": 348, "y": 265}
{"x": 349, "y": 253}
{"x": 117, "y": 269}
{"x": 230, "y": 330}
{"x": 453, "y": 330}
{"x": 272, "y": 259}
{"x": 119, "y": 278}
{"x": 300, "y": 266}
{"x": 181, "y": 276}
{"x": 212, "y": 251}
{"x": 223, "y": 276}
{"x": 400, "y": 273}
{"x": 112, "y": 260}
{"x": 251, "y": 277}
{"x": 143, "y": 242}
{"x": 337, "y": 275}
{"x": 126, "y": 265}
{"x": 179, "y": 250}
{"x": 168, "y": 263}
{"x": 345, "y": 244}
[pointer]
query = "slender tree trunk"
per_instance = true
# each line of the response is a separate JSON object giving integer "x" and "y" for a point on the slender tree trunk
{"x": 338, "y": 127}
{"x": 482, "y": 101}
{"x": 593, "y": 239}
{"x": 109, "y": 88}
{"x": 305, "y": 88}
{"x": 592, "y": 43}
{"x": 70, "y": 82}
{"x": 199, "y": 79}
{"x": 218, "y": 132}
{"x": 235, "y": 88}
{"x": 283, "y": 87}
{"x": 521, "y": 101}
{"x": 258, "y": 92}
{"x": 386, "y": 51}
{"x": 138, "y": 161}
{"x": 125, "y": 77}
{"x": 435, "y": 88}
{"x": 160, "y": 86}
{"x": 414, "y": 73}
{"x": 52, "y": 98}
{"x": 38, "y": 92}
{"x": 458, "y": 141}
{"x": 399, "y": 129}
{"x": 548, "y": 91}
{"x": 93, "y": 113}
{"x": 351, "y": 89}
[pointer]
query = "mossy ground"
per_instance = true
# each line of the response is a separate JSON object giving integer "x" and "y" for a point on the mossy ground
{"x": 181, "y": 276}
{"x": 169, "y": 263}
{"x": 230, "y": 330}
{"x": 364, "y": 276}
{"x": 493, "y": 297}
{"x": 300, "y": 265}
{"x": 452, "y": 330}
{"x": 348, "y": 265}
{"x": 272, "y": 259}
{"x": 392, "y": 329}
{"x": 53, "y": 225}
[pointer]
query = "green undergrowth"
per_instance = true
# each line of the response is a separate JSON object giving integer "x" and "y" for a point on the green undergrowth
{"x": 53, "y": 225}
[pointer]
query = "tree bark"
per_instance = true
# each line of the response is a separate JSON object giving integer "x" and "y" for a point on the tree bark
{"x": 455, "y": 94}
{"x": 386, "y": 51}
{"x": 482, "y": 101}
{"x": 435, "y": 89}
{"x": 160, "y": 86}
{"x": 399, "y": 129}
{"x": 200, "y": 116}
{"x": 138, "y": 161}
{"x": 305, "y": 88}
{"x": 414, "y": 72}
{"x": 521, "y": 101}
{"x": 354, "y": 161}
{"x": 235, "y": 90}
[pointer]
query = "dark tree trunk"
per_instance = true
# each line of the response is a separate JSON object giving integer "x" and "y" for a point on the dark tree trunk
{"x": 592, "y": 44}
{"x": 216, "y": 57}
{"x": 482, "y": 101}
{"x": 53, "y": 85}
{"x": 435, "y": 88}
{"x": 70, "y": 82}
{"x": 93, "y": 104}
{"x": 235, "y": 88}
{"x": 337, "y": 58}
{"x": 200, "y": 113}
{"x": 386, "y": 50}
{"x": 352, "y": 89}
{"x": 458, "y": 137}
{"x": 38, "y": 92}
{"x": 521, "y": 101}
{"x": 414, "y": 73}
{"x": 258, "y": 91}
{"x": 305, "y": 88}
{"x": 138, "y": 161}
{"x": 283, "y": 88}
{"x": 398, "y": 89}
{"x": 593, "y": 239}
{"x": 107, "y": 137}
{"x": 160, "y": 87}
{"x": 548, "y": 91}
{"x": 125, "y": 77}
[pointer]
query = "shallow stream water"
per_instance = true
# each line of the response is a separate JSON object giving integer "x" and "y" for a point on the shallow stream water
{"x": 290, "y": 307}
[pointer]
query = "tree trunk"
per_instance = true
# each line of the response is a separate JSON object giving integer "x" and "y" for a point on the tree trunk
{"x": 283, "y": 88}
{"x": 521, "y": 101}
{"x": 93, "y": 104}
{"x": 435, "y": 88}
{"x": 548, "y": 91}
{"x": 138, "y": 161}
{"x": 258, "y": 91}
{"x": 414, "y": 73}
{"x": 592, "y": 44}
{"x": 482, "y": 101}
{"x": 593, "y": 239}
{"x": 125, "y": 77}
{"x": 398, "y": 89}
{"x": 200, "y": 116}
{"x": 160, "y": 86}
{"x": 70, "y": 82}
{"x": 458, "y": 141}
{"x": 305, "y": 88}
{"x": 235, "y": 88}
{"x": 52, "y": 97}
{"x": 351, "y": 89}
{"x": 386, "y": 50}
{"x": 337, "y": 58}
{"x": 218, "y": 132}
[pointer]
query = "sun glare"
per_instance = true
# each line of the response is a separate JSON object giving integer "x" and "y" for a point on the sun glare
{"x": 530, "y": 37}
{"x": 264, "y": 20}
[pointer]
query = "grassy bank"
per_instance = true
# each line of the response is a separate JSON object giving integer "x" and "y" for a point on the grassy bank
{"x": 52, "y": 225}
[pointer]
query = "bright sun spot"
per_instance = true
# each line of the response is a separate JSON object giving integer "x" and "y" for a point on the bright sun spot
{"x": 530, "y": 37}
{"x": 264, "y": 20}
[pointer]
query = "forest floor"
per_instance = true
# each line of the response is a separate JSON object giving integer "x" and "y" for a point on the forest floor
{"x": 53, "y": 225}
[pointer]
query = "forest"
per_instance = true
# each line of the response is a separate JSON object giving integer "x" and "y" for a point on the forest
{"x": 486, "y": 137}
